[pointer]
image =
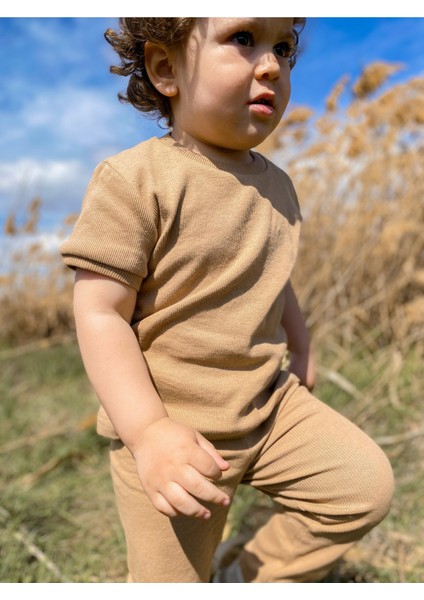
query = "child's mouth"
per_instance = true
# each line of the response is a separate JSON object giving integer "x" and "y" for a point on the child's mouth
{"x": 263, "y": 104}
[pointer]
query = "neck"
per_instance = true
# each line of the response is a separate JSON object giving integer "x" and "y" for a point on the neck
{"x": 211, "y": 151}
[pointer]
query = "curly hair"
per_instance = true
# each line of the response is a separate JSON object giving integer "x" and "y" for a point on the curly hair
{"x": 172, "y": 32}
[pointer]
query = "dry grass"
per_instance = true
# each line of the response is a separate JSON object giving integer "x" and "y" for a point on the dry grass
{"x": 360, "y": 279}
{"x": 35, "y": 286}
{"x": 358, "y": 173}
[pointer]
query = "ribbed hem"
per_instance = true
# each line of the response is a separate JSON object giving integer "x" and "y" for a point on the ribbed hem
{"x": 74, "y": 262}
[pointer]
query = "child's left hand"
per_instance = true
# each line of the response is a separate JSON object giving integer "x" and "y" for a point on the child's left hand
{"x": 303, "y": 365}
{"x": 302, "y": 362}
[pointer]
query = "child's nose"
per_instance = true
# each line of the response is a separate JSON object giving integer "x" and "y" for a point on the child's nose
{"x": 267, "y": 66}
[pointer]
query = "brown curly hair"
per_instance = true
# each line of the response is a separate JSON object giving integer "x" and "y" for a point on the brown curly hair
{"x": 172, "y": 32}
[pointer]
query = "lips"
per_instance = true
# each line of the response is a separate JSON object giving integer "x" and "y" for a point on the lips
{"x": 265, "y": 99}
{"x": 263, "y": 105}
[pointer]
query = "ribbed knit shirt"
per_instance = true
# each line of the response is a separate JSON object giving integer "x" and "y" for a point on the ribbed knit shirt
{"x": 209, "y": 249}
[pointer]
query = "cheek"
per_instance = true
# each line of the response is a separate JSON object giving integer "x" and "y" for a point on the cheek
{"x": 285, "y": 87}
{"x": 216, "y": 95}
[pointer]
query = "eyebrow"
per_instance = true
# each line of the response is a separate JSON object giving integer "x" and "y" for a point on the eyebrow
{"x": 251, "y": 23}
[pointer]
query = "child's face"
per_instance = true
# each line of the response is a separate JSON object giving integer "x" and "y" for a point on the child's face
{"x": 233, "y": 84}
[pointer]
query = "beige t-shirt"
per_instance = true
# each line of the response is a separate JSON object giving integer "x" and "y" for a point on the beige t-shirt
{"x": 209, "y": 251}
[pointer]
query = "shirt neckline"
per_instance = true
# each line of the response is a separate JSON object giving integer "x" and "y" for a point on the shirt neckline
{"x": 258, "y": 165}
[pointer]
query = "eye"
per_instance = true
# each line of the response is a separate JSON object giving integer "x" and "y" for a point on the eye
{"x": 244, "y": 38}
{"x": 285, "y": 49}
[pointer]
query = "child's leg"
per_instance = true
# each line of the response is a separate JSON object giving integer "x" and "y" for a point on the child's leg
{"x": 331, "y": 484}
{"x": 159, "y": 549}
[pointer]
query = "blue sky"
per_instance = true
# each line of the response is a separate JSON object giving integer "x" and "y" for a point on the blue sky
{"x": 59, "y": 113}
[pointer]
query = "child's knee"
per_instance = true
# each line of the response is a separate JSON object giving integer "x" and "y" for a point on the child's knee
{"x": 374, "y": 488}
{"x": 363, "y": 505}
{"x": 383, "y": 489}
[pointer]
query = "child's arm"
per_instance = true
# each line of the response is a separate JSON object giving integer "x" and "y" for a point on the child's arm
{"x": 175, "y": 463}
{"x": 298, "y": 340}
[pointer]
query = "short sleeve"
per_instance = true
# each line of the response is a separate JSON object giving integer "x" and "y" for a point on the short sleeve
{"x": 116, "y": 230}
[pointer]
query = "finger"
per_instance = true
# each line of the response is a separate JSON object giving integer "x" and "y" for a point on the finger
{"x": 223, "y": 465}
{"x": 184, "y": 503}
{"x": 200, "y": 487}
{"x": 204, "y": 463}
{"x": 163, "y": 506}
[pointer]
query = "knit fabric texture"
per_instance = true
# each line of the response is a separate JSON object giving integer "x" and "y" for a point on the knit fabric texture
{"x": 209, "y": 250}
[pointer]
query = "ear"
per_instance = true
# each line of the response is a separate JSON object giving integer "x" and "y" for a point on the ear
{"x": 160, "y": 68}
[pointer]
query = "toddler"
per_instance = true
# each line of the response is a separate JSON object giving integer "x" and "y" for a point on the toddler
{"x": 184, "y": 310}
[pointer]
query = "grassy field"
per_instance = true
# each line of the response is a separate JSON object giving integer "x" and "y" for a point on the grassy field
{"x": 57, "y": 512}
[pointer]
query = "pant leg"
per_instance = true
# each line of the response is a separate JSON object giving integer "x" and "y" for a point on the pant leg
{"x": 160, "y": 549}
{"x": 330, "y": 484}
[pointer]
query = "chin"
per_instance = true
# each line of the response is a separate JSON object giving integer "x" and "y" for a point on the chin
{"x": 256, "y": 141}
{"x": 258, "y": 137}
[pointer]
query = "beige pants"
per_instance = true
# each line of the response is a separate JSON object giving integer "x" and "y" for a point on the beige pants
{"x": 330, "y": 484}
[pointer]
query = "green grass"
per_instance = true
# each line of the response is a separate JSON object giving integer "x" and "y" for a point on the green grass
{"x": 57, "y": 512}
{"x": 68, "y": 511}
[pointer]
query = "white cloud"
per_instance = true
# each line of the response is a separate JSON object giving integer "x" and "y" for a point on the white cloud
{"x": 30, "y": 171}
{"x": 80, "y": 116}
{"x": 63, "y": 46}
{"x": 72, "y": 121}
{"x": 57, "y": 97}
{"x": 59, "y": 184}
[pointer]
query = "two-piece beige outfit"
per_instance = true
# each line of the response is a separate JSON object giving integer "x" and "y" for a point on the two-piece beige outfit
{"x": 210, "y": 249}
